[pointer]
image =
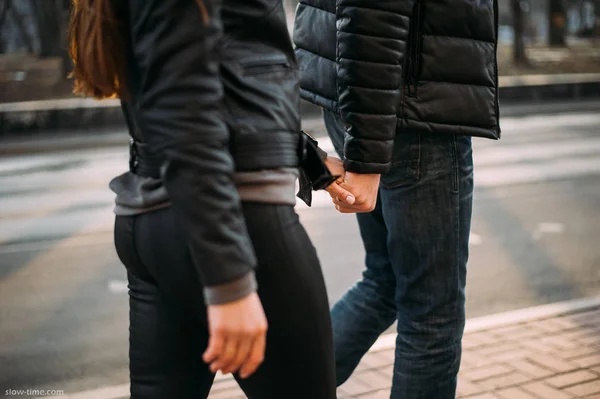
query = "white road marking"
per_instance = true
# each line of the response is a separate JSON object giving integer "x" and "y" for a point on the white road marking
{"x": 475, "y": 239}
{"x": 499, "y": 156}
{"x": 548, "y": 228}
{"x": 118, "y": 286}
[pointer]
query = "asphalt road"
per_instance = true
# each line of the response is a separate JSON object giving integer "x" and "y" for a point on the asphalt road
{"x": 63, "y": 298}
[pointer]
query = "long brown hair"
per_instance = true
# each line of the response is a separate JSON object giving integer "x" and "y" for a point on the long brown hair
{"x": 97, "y": 47}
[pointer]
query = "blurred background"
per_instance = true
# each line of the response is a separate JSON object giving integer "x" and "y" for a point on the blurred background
{"x": 63, "y": 294}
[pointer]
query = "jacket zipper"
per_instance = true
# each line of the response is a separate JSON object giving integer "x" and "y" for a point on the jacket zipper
{"x": 413, "y": 61}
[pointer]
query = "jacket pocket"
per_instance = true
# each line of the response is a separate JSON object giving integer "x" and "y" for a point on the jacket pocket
{"x": 406, "y": 161}
{"x": 265, "y": 65}
{"x": 413, "y": 50}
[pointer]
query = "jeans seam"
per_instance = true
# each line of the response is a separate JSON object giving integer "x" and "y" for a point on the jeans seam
{"x": 455, "y": 173}
{"x": 457, "y": 225}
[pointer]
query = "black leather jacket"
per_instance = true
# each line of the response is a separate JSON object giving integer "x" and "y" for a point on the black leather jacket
{"x": 212, "y": 89}
{"x": 390, "y": 67}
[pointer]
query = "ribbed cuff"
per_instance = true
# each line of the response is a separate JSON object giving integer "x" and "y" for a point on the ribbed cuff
{"x": 232, "y": 291}
{"x": 366, "y": 167}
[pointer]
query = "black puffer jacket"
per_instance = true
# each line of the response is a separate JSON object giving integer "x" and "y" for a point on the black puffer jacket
{"x": 390, "y": 67}
{"x": 213, "y": 90}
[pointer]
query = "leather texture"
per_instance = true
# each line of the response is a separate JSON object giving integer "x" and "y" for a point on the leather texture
{"x": 210, "y": 94}
{"x": 393, "y": 67}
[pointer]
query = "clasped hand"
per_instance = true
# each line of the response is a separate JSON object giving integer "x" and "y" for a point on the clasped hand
{"x": 352, "y": 192}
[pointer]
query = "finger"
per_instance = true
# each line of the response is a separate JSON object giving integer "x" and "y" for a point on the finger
{"x": 257, "y": 356}
{"x": 227, "y": 356}
{"x": 242, "y": 353}
{"x": 336, "y": 190}
{"x": 215, "y": 347}
{"x": 342, "y": 204}
{"x": 345, "y": 209}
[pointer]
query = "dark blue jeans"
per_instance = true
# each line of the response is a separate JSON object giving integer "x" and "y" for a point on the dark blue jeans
{"x": 416, "y": 243}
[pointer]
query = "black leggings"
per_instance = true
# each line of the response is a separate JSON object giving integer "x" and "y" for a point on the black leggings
{"x": 168, "y": 329}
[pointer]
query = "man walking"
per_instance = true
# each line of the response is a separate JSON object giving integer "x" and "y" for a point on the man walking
{"x": 405, "y": 84}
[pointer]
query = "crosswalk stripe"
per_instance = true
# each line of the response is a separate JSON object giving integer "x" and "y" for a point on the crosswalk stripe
{"x": 503, "y": 155}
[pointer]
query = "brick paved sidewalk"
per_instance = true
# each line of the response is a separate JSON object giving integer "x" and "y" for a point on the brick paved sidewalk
{"x": 550, "y": 352}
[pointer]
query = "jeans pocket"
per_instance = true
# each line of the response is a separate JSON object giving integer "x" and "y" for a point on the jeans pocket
{"x": 406, "y": 159}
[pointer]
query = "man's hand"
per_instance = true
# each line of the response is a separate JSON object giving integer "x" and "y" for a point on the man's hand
{"x": 364, "y": 187}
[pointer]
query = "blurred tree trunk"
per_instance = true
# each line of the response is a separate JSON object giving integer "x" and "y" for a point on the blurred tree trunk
{"x": 597, "y": 20}
{"x": 51, "y": 18}
{"x": 518, "y": 11}
{"x": 557, "y": 23}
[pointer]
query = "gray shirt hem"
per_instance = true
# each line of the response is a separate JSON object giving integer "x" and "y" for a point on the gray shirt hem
{"x": 232, "y": 291}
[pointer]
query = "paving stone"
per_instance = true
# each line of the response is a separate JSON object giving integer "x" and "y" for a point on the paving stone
{"x": 579, "y": 352}
{"x": 485, "y": 396}
{"x": 584, "y": 318}
{"x": 517, "y": 332}
{"x": 227, "y": 394}
{"x": 490, "y": 350}
{"x": 224, "y": 384}
{"x": 383, "y": 394}
{"x": 553, "y": 363}
{"x": 536, "y": 345}
{"x": 387, "y": 371}
{"x": 505, "y": 380}
{"x": 477, "y": 360}
{"x": 373, "y": 379}
{"x": 471, "y": 341}
{"x": 588, "y": 361}
{"x": 484, "y": 337}
{"x": 467, "y": 388}
{"x": 591, "y": 340}
{"x": 559, "y": 342}
{"x": 340, "y": 394}
{"x": 355, "y": 387}
{"x": 545, "y": 391}
{"x": 548, "y": 325}
{"x": 515, "y": 393}
{"x": 565, "y": 323}
{"x": 510, "y": 356}
{"x": 465, "y": 364}
{"x": 483, "y": 373}
{"x": 585, "y": 389}
{"x": 578, "y": 333}
{"x": 531, "y": 369}
{"x": 572, "y": 378}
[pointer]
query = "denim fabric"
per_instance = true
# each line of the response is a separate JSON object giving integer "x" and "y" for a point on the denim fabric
{"x": 416, "y": 243}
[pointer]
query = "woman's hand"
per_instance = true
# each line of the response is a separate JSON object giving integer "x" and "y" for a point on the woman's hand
{"x": 337, "y": 193}
{"x": 238, "y": 335}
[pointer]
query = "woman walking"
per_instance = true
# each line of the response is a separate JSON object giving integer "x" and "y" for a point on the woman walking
{"x": 205, "y": 226}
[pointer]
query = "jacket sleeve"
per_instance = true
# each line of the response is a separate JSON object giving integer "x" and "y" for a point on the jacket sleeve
{"x": 371, "y": 43}
{"x": 176, "y": 46}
